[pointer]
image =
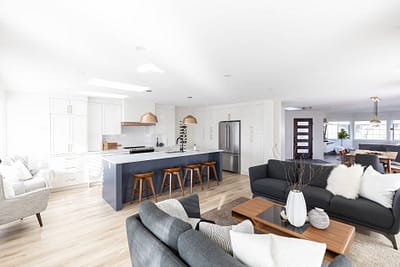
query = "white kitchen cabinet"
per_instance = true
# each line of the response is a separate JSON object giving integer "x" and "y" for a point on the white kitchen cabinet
{"x": 69, "y": 170}
{"x": 68, "y": 134}
{"x": 73, "y": 106}
{"x": 103, "y": 119}
{"x": 112, "y": 119}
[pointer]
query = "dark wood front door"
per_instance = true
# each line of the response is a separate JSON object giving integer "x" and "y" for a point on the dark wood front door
{"x": 302, "y": 139}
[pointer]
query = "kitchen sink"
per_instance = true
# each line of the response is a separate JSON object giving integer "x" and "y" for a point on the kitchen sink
{"x": 175, "y": 151}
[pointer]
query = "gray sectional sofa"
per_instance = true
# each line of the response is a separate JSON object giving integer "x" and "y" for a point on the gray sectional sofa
{"x": 157, "y": 239}
{"x": 270, "y": 181}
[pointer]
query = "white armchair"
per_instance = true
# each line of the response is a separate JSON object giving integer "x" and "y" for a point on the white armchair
{"x": 23, "y": 205}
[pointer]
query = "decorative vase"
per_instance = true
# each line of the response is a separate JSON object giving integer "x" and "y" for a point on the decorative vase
{"x": 296, "y": 209}
{"x": 318, "y": 218}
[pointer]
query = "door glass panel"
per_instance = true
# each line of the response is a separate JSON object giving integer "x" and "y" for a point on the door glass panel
{"x": 302, "y": 150}
{"x": 302, "y": 137}
{"x": 302, "y": 123}
{"x": 302, "y": 144}
{"x": 302, "y": 130}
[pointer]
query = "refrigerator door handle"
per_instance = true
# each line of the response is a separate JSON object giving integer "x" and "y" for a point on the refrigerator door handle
{"x": 228, "y": 137}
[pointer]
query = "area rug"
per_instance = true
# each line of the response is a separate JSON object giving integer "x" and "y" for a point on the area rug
{"x": 368, "y": 249}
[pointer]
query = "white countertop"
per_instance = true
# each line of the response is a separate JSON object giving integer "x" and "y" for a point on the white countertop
{"x": 128, "y": 158}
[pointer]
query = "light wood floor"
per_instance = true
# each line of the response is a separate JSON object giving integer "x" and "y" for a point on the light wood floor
{"x": 81, "y": 229}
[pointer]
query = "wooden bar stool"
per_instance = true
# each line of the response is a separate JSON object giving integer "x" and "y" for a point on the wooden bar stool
{"x": 208, "y": 165}
{"x": 192, "y": 168}
{"x": 147, "y": 177}
{"x": 171, "y": 172}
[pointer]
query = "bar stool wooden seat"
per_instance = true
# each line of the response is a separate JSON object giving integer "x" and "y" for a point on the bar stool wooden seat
{"x": 208, "y": 165}
{"x": 147, "y": 177}
{"x": 171, "y": 172}
{"x": 191, "y": 168}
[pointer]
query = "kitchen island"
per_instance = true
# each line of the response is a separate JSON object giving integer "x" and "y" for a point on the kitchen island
{"x": 118, "y": 170}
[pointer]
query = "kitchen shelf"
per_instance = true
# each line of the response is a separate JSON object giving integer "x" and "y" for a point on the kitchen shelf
{"x": 134, "y": 123}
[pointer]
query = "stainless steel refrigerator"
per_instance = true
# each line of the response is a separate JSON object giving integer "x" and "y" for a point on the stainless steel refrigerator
{"x": 229, "y": 142}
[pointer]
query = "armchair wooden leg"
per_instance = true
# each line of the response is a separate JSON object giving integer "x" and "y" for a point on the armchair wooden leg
{"x": 39, "y": 218}
{"x": 392, "y": 238}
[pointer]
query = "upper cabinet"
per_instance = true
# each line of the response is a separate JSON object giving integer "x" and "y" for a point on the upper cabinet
{"x": 104, "y": 118}
{"x": 73, "y": 106}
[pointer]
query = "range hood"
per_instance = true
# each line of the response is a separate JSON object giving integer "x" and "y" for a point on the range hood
{"x": 136, "y": 123}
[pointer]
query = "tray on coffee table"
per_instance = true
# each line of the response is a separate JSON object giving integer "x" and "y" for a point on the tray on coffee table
{"x": 338, "y": 236}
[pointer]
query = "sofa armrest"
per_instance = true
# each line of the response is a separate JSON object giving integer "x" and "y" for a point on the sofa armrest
{"x": 191, "y": 205}
{"x": 146, "y": 249}
{"x": 340, "y": 261}
{"x": 48, "y": 175}
{"x": 257, "y": 172}
{"x": 396, "y": 212}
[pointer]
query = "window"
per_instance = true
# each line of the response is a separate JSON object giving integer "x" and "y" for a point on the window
{"x": 363, "y": 130}
{"x": 396, "y": 130}
{"x": 333, "y": 127}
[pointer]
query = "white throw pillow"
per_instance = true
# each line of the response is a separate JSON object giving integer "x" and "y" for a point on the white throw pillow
{"x": 8, "y": 189}
{"x": 379, "y": 187}
{"x": 220, "y": 234}
{"x": 345, "y": 181}
{"x": 22, "y": 171}
{"x": 255, "y": 250}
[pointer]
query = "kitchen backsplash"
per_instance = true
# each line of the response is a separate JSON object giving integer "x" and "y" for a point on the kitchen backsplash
{"x": 136, "y": 136}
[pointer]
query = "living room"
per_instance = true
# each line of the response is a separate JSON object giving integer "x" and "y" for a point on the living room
{"x": 78, "y": 77}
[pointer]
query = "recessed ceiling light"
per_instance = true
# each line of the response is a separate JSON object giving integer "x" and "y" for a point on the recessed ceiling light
{"x": 100, "y": 94}
{"x": 140, "y": 48}
{"x": 149, "y": 67}
{"x": 117, "y": 85}
{"x": 149, "y": 91}
{"x": 227, "y": 75}
{"x": 190, "y": 97}
{"x": 292, "y": 108}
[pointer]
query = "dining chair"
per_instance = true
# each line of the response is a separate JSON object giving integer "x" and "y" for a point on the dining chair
{"x": 370, "y": 160}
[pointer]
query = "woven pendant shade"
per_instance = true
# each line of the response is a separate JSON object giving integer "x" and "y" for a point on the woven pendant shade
{"x": 148, "y": 118}
{"x": 189, "y": 119}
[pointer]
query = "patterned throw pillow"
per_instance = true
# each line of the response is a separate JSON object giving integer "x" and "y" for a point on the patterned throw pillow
{"x": 220, "y": 234}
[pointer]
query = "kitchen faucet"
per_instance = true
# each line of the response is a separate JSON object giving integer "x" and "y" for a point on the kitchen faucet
{"x": 177, "y": 141}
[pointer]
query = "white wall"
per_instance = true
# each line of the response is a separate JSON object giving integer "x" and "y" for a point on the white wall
{"x": 3, "y": 150}
{"x": 134, "y": 108}
{"x": 318, "y": 145}
{"x": 28, "y": 126}
{"x": 258, "y": 123}
{"x": 165, "y": 129}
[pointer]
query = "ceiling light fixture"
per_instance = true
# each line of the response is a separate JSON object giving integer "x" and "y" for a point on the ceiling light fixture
{"x": 292, "y": 108}
{"x": 227, "y": 75}
{"x": 148, "y": 68}
{"x": 100, "y": 94}
{"x": 375, "y": 121}
{"x": 148, "y": 118}
{"x": 117, "y": 85}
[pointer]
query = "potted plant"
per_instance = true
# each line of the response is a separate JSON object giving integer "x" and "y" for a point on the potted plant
{"x": 343, "y": 134}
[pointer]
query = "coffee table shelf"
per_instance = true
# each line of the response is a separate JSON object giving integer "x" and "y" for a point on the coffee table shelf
{"x": 338, "y": 236}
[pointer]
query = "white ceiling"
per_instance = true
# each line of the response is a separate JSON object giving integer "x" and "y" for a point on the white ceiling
{"x": 326, "y": 54}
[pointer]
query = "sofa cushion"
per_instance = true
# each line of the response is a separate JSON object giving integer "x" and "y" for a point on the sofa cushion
{"x": 163, "y": 226}
{"x": 362, "y": 211}
{"x": 198, "y": 250}
{"x": 191, "y": 205}
{"x": 317, "y": 174}
{"x": 271, "y": 188}
{"x": 146, "y": 249}
{"x": 317, "y": 197}
{"x": 345, "y": 181}
{"x": 282, "y": 170}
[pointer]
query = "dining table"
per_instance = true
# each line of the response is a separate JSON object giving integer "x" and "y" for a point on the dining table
{"x": 385, "y": 157}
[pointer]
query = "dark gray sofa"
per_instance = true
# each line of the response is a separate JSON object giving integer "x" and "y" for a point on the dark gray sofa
{"x": 157, "y": 239}
{"x": 270, "y": 181}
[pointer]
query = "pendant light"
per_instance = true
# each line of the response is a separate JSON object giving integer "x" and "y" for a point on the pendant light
{"x": 375, "y": 121}
{"x": 148, "y": 118}
{"x": 189, "y": 119}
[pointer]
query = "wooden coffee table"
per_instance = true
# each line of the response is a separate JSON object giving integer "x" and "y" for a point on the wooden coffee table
{"x": 338, "y": 237}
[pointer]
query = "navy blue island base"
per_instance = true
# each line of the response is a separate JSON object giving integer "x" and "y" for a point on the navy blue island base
{"x": 118, "y": 170}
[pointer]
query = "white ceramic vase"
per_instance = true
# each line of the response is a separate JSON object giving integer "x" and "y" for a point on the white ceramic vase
{"x": 296, "y": 209}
